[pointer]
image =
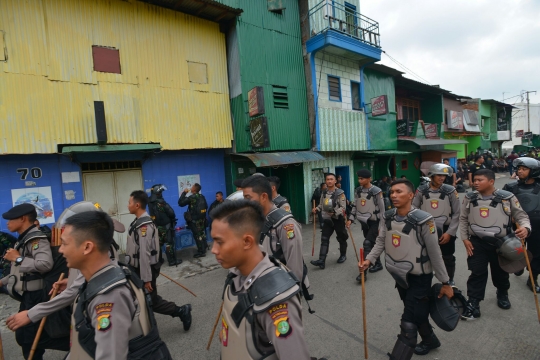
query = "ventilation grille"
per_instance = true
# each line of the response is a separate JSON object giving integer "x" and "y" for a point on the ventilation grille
{"x": 115, "y": 165}
{"x": 281, "y": 98}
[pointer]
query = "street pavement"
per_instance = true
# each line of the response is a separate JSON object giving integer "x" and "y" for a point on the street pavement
{"x": 335, "y": 331}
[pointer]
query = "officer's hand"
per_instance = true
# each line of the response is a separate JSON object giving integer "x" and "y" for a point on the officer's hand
{"x": 447, "y": 291}
{"x": 363, "y": 266}
{"x": 186, "y": 190}
{"x": 18, "y": 320}
{"x": 348, "y": 224}
{"x": 148, "y": 286}
{"x": 468, "y": 247}
{"x": 314, "y": 210}
{"x": 444, "y": 239}
{"x": 59, "y": 286}
{"x": 12, "y": 254}
{"x": 522, "y": 233}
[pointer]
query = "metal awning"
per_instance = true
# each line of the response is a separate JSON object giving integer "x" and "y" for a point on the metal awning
{"x": 282, "y": 158}
{"x": 109, "y": 148}
{"x": 428, "y": 142}
{"x": 385, "y": 152}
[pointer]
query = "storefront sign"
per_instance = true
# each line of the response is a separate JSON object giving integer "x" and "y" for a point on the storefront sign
{"x": 430, "y": 130}
{"x": 258, "y": 129}
{"x": 527, "y": 135}
{"x": 402, "y": 127}
{"x": 455, "y": 120}
{"x": 519, "y": 133}
{"x": 379, "y": 105}
{"x": 256, "y": 101}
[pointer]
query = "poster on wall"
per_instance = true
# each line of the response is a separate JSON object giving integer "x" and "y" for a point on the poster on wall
{"x": 40, "y": 197}
{"x": 186, "y": 182}
{"x": 379, "y": 105}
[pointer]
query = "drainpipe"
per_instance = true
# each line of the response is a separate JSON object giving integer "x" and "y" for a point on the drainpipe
{"x": 362, "y": 102}
{"x": 314, "y": 82}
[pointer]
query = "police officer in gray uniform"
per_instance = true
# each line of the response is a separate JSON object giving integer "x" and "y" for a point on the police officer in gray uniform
{"x": 527, "y": 190}
{"x": 368, "y": 200}
{"x": 142, "y": 253}
{"x": 30, "y": 260}
{"x": 280, "y": 201}
{"x": 486, "y": 215}
{"x": 333, "y": 205}
{"x": 409, "y": 238}
{"x": 112, "y": 318}
{"x": 262, "y": 315}
{"x": 442, "y": 202}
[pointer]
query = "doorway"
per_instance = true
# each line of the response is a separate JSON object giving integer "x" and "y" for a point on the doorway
{"x": 343, "y": 171}
{"x": 111, "y": 190}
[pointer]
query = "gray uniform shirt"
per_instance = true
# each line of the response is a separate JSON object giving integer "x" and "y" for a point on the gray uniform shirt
{"x": 454, "y": 205}
{"x": 430, "y": 240}
{"x": 340, "y": 208}
{"x": 519, "y": 215}
{"x": 377, "y": 200}
{"x": 292, "y": 347}
{"x": 147, "y": 240}
{"x": 289, "y": 235}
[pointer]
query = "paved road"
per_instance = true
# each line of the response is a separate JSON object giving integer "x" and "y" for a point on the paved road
{"x": 335, "y": 330}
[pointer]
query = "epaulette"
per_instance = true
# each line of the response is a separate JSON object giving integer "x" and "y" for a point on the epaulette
{"x": 503, "y": 194}
{"x": 418, "y": 217}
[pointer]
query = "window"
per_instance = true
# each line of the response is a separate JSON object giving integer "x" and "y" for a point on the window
{"x": 355, "y": 95}
{"x": 334, "y": 88}
{"x": 281, "y": 98}
{"x": 408, "y": 109}
{"x": 197, "y": 72}
{"x": 404, "y": 164}
{"x": 350, "y": 19}
{"x": 106, "y": 59}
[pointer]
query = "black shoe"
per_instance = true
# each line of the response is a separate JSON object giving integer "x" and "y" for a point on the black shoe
{"x": 377, "y": 267}
{"x": 359, "y": 278}
{"x": 184, "y": 313}
{"x": 536, "y": 287}
{"x": 426, "y": 346}
{"x": 503, "y": 302}
{"x": 519, "y": 273}
{"x": 341, "y": 259}
{"x": 199, "y": 254}
{"x": 472, "y": 311}
{"x": 320, "y": 263}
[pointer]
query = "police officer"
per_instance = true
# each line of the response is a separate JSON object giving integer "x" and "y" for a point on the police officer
{"x": 67, "y": 288}
{"x": 112, "y": 318}
{"x": 487, "y": 213}
{"x": 527, "y": 191}
{"x": 30, "y": 259}
{"x": 280, "y": 201}
{"x": 409, "y": 238}
{"x": 266, "y": 326}
{"x": 165, "y": 219}
{"x": 196, "y": 217}
{"x": 333, "y": 205}
{"x": 442, "y": 202}
{"x": 142, "y": 254}
{"x": 368, "y": 200}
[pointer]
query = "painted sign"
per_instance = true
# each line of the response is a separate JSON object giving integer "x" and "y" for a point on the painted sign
{"x": 430, "y": 130}
{"x": 186, "y": 182}
{"x": 379, "y": 105}
{"x": 519, "y": 133}
{"x": 455, "y": 120}
{"x": 258, "y": 129}
{"x": 40, "y": 197}
{"x": 256, "y": 101}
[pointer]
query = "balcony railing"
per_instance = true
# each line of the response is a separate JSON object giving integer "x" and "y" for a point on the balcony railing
{"x": 328, "y": 15}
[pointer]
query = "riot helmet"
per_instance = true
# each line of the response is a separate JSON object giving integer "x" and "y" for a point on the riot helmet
{"x": 158, "y": 189}
{"x": 511, "y": 248}
{"x": 439, "y": 169}
{"x": 530, "y": 163}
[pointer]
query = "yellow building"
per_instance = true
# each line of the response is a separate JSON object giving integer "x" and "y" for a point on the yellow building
{"x": 114, "y": 96}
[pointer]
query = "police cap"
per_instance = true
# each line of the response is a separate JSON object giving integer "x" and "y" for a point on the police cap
{"x": 20, "y": 210}
{"x": 363, "y": 173}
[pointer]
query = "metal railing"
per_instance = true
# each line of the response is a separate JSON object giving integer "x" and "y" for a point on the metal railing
{"x": 328, "y": 15}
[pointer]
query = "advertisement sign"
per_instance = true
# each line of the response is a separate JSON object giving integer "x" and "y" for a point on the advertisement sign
{"x": 40, "y": 197}
{"x": 258, "y": 129}
{"x": 430, "y": 130}
{"x": 519, "y": 133}
{"x": 256, "y": 101}
{"x": 379, "y": 105}
{"x": 186, "y": 182}
{"x": 455, "y": 120}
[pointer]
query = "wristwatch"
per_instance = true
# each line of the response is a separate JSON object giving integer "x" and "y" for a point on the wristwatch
{"x": 446, "y": 283}
{"x": 19, "y": 260}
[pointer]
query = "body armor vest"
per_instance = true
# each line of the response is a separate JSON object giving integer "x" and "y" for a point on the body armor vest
{"x": 529, "y": 198}
{"x": 365, "y": 204}
{"x": 20, "y": 282}
{"x": 404, "y": 247}
{"x": 157, "y": 212}
{"x": 329, "y": 201}
{"x": 133, "y": 250}
{"x": 437, "y": 204}
{"x": 273, "y": 220}
{"x": 279, "y": 201}
{"x": 489, "y": 217}
{"x": 198, "y": 210}
{"x": 239, "y": 336}
{"x": 144, "y": 337}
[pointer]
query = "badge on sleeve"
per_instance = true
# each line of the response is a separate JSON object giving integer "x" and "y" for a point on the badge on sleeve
{"x": 457, "y": 195}
{"x": 516, "y": 202}
{"x": 143, "y": 230}
{"x": 35, "y": 245}
{"x": 283, "y": 328}
{"x": 287, "y": 208}
{"x": 104, "y": 322}
{"x": 224, "y": 333}
{"x": 289, "y": 228}
{"x": 431, "y": 225}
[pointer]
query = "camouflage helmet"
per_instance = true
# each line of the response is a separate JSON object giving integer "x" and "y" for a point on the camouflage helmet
{"x": 530, "y": 163}
{"x": 439, "y": 169}
{"x": 158, "y": 189}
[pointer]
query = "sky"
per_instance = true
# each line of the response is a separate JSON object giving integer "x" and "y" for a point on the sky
{"x": 476, "y": 48}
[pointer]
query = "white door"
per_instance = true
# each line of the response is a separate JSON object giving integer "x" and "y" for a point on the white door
{"x": 111, "y": 189}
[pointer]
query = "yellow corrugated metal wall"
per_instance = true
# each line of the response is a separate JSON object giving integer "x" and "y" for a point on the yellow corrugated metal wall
{"x": 48, "y": 86}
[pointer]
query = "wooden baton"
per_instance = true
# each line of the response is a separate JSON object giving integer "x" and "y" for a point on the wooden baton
{"x": 364, "y": 305}
{"x": 215, "y": 325}
{"x": 314, "y": 230}
{"x": 354, "y": 246}
{"x": 177, "y": 283}
{"x": 531, "y": 279}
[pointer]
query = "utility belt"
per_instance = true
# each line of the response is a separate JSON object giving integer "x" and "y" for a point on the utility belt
{"x": 18, "y": 283}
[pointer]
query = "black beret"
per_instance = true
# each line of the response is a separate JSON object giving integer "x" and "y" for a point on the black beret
{"x": 19, "y": 210}
{"x": 364, "y": 173}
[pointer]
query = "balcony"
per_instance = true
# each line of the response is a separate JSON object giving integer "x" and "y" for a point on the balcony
{"x": 328, "y": 15}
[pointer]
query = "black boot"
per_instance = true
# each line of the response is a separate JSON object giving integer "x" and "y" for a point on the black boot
{"x": 520, "y": 272}
{"x": 170, "y": 258}
{"x": 322, "y": 257}
{"x": 536, "y": 287}
{"x": 429, "y": 340}
{"x": 184, "y": 313}
{"x": 377, "y": 267}
{"x": 201, "y": 249}
{"x": 502, "y": 300}
{"x": 472, "y": 311}
{"x": 359, "y": 277}
{"x": 342, "y": 252}
{"x": 450, "y": 265}
{"x": 406, "y": 342}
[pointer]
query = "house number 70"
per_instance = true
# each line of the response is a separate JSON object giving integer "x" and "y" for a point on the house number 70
{"x": 34, "y": 172}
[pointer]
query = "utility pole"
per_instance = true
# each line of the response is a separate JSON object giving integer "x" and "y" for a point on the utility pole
{"x": 528, "y": 115}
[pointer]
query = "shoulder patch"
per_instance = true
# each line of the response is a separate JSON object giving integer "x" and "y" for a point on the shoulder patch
{"x": 144, "y": 229}
{"x": 35, "y": 245}
{"x": 287, "y": 208}
{"x": 431, "y": 225}
{"x": 457, "y": 195}
{"x": 104, "y": 307}
{"x": 104, "y": 322}
{"x": 516, "y": 203}
{"x": 280, "y": 316}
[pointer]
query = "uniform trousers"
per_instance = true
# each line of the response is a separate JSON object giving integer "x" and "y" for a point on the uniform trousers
{"x": 533, "y": 245}
{"x": 370, "y": 231}
{"x": 198, "y": 228}
{"x": 483, "y": 255}
{"x": 159, "y": 305}
{"x": 337, "y": 225}
{"x": 416, "y": 299}
{"x": 448, "y": 250}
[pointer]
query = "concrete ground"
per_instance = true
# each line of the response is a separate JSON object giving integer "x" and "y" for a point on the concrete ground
{"x": 335, "y": 331}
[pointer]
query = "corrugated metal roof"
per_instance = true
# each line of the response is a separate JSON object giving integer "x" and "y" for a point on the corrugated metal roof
{"x": 428, "y": 142}
{"x": 206, "y": 9}
{"x": 48, "y": 86}
{"x": 282, "y": 158}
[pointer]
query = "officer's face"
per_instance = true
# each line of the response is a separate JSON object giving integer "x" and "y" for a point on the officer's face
{"x": 229, "y": 246}
{"x": 482, "y": 184}
{"x": 330, "y": 181}
{"x": 364, "y": 182}
{"x": 523, "y": 172}
{"x": 401, "y": 195}
{"x": 70, "y": 248}
{"x": 253, "y": 196}
{"x": 438, "y": 180}
{"x": 14, "y": 225}
{"x": 219, "y": 197}
{"x": 132, "y": 205}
